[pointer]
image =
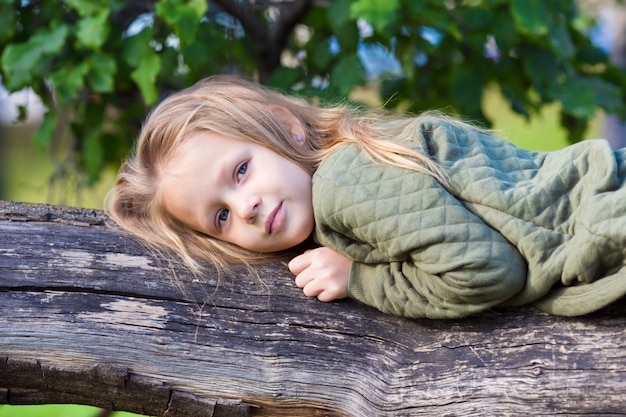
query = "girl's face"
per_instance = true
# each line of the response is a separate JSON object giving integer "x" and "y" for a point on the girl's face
{"x": 239, "y": 192}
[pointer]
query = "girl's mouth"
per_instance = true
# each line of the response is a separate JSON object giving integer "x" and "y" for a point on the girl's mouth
{"x": 275, "y": 219}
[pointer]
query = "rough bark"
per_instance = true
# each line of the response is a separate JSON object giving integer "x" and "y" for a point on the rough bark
{"x": 88, "y": 316}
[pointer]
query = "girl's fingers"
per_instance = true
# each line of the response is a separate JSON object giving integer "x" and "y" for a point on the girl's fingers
{"x": 326, "y": 296}
{"x": 302, "y": 280}
{"x": 298, "y": 264}
{"x": 321, "y": 273}
{"x": 312, "y": 288}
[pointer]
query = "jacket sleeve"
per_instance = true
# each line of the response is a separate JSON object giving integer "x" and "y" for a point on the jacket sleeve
{"x": 417, "y": 251}
{"x": 471, "y": 279}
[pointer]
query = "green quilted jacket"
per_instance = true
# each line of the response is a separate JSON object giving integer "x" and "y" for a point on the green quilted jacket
{"x": 512, "y": 227}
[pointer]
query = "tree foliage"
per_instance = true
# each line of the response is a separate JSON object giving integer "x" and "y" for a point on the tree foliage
{"x": 100, "y": 64}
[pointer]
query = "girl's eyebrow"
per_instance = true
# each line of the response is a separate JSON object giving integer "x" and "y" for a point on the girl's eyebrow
{"x": 222, "y": 169}
{"x": 227, "y": 167}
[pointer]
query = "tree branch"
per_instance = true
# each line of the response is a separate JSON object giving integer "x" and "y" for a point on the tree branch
{"x": 291, "y": 13}
{"x": 88, "y": 316}
{"x": 269, "y": 43}
{"x": 244, "y": 12}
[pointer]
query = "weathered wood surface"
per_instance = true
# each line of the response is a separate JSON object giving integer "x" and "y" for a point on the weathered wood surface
{"x": 88, "y": 316}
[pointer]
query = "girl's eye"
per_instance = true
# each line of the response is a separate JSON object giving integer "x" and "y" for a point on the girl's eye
{"x": 242, "y": 170}
{"x": 222, "y": 216}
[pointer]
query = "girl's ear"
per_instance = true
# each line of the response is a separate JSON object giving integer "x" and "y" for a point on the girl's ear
{"x": 290, "y": 123}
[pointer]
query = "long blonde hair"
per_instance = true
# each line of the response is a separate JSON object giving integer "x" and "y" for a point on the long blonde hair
{"x": 241, "y": 109}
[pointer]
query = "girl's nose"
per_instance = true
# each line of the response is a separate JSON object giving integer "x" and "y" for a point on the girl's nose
{"x": 248, "y": 208}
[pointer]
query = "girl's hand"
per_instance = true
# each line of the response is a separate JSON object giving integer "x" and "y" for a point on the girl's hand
{"x": 322, "y": 273}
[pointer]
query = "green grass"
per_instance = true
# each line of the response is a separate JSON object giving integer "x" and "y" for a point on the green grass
{"x": 542, "y": 133}
{"x": 26, "y": 171}
{"x": 54, "y": 410}
{"x": 47, "y": 411}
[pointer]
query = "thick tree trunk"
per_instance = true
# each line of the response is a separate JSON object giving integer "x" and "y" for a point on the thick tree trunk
{"x": 88, "y": 316}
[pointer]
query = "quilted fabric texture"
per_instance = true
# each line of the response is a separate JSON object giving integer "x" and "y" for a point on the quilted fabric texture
{"x": 512, "y": 227}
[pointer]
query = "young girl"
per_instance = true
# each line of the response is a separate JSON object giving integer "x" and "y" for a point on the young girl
{"x": 419, "y": 217}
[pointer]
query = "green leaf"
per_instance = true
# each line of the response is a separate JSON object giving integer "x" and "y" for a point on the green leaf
{"x": 7, "y": 23}
{"x": 518, "y": 99}
{"x": 102, "y": 69}
{"x": 348, "y": 37}
{"x": 22, "y": 112}
{"x": 137, "y": 46}
{"x": 607, "y": 95}
{"x": 574, "y": 126}
{"x": 590, "y": 54}
{"x": 283, "y": 78}
{"x": 378, "y": 13}
{"x": 200, "y": 7}
{"x": 320, "y": 55}
{"x": 182, "y": 16}
{"x": 19, "y": 59}
{"x": 145, "y": 77}
{"x": 466, "y": 88}
{"x": 68, "y": 81}
{"x": 417, "y": 9}
{"x": 505, "y": 34}
{"x": 561, "y": 41}
{"x": 49, "y": 41}
{"x": 477, "y": 18}
{"x": 171, "y": 64}
{"x": 94, "y": 30}
{"x": 543, "y": 68}
{"x": 530, "y": 16}
{"x": 577, "y": 96}
{"x": 338, "y": 13}
{"x": 116, "y": 5}
{"x": 442, "y": 23}
{"x": 347, "y": 73}
{"x": 44, "y": 133}
{"x": 86, "y": 7}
